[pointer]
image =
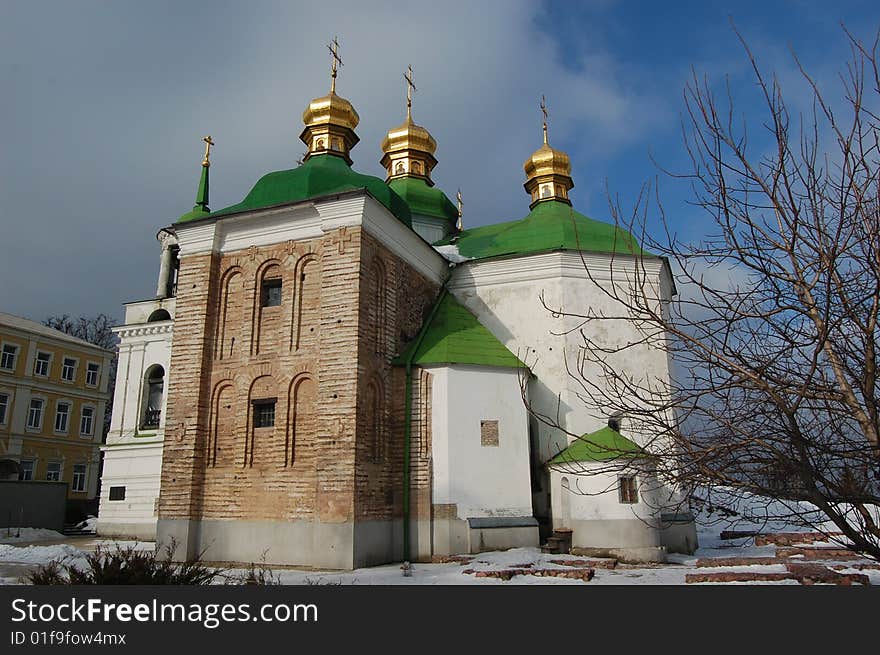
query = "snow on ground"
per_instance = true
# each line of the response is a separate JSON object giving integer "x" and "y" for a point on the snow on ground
{"x": 718, "y": 511}
{"x": 39, "y": 554}
{"x": 28, "y": 535}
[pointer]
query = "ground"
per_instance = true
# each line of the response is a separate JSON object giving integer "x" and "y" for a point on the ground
{"x": 793, "y": 556}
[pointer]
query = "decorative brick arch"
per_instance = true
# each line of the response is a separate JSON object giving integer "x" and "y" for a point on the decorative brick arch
{"x": 302, "y": 417}
{"x": 260, "y": 444}
{"x": 221, "y": 446}
{"x": 228, "y": 337}
{"x": 306, "y": 320}
{"x": 266, "y": 320}
{"x": 375, "y": 307}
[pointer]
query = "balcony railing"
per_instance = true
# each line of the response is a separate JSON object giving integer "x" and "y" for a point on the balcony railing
{"x": 151, "y": 418}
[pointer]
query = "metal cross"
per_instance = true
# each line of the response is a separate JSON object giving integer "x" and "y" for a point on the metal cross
{"x": 333, "y": 47}
{"x": 460, "y": 225}
{"x": 544, "y": 111}
{"x": 410, "y": 87}
{"x": 208, "y": 143}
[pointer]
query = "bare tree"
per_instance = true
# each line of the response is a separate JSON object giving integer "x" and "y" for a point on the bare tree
{"x": 97, "y": 330}
{"x": 775, "y": 385}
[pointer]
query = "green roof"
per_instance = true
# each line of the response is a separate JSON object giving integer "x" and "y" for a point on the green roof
{"x": 602, "y": 445}
{"x": 424, "y": 200}
{"x": 551, "y": 225}
{"x": 319, "y": 176}
{"x": 455, "y": 336}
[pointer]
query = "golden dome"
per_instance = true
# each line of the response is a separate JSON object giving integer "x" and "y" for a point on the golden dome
{"x": 548, "y": 171}
{"x": 331, "y": 109}
{"x": 409, "y": 136}
{"x": 548, "y": 175}
{"x": 408, "y": 150}
{"x": 329, "y": 129}
{"x": 547, "y": 161}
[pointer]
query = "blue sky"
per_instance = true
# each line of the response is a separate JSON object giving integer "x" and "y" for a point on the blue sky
{"x": 105, "y": 104}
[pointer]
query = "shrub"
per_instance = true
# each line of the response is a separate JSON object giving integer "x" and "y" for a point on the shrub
{"x": 127, "y": 566}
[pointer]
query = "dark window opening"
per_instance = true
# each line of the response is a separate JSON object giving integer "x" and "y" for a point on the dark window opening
{"x": 627, "y": 491}
{"x": 174, "y": 273}
{"x": 159, "y": 315}
{"x": 117, "y": 493}
{"x": 271, "y": 294}
{"x": 614, "y": 423}
{"x": 154, "y": 394}
{"x": 264, "y": 413}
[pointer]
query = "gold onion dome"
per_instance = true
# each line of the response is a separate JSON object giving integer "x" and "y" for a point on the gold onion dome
{"x": 548, "y": 171}
{"x": 408, "y": 150}
{"x": 330, "y": 120}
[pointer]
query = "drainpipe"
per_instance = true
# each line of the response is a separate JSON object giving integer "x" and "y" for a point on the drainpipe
{"x": 407, "y": 419}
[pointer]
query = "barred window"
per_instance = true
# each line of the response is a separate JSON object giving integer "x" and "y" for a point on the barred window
{"x": 271, "y": 292}
{"x": 264, "y": 413}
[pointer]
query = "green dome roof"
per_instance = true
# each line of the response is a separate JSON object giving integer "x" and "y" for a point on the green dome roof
{"x": 551, "y": 225}
{"x": 320, "y": 175}
{"x": 424, "y": 200}
{"x": 602, "y": 445}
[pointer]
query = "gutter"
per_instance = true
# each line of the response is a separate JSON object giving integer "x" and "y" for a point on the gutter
{"x": 407, "y": 421}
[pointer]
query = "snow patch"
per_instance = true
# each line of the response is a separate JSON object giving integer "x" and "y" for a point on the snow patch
{"x": 39, "y": 554}
{"x": 451, "y": 254}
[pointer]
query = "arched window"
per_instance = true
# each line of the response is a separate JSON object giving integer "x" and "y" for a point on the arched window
{"x": 154, "y": 391}
{"x": 159, "y": 315}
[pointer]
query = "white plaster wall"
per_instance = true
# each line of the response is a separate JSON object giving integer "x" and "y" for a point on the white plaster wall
{"x": 483, "y": 481}
{"x": 140, "y": 347}
{"x": 133, "y": 456}
{"x": 137, "y": 468}
{"x": 430, "y": 230}
{"x": 593, "y": 495}
{"x": 506, "y": 296}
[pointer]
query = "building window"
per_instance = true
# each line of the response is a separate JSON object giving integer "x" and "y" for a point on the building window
{"x": 154, "y": 391}
{"x": 79, "y": 477}
{"x": 264, "y": 413}
{"x": 27, "y": 469}
{"x": 117, "y": 493}
{"x": 92, "y": 374}
{"x": 488, "y": 433}
{"x": 7, "y": 358}
{"x": 271, "y": 292}
{"x": 41, "y": 364}
{"x": 4, "y": 407}
{"x": 35, "y": 414}
{"x": 87, "y": 421}
{"x": 68, "y": 369}
{"x": 627, "y": 491}
{"x": 62, "y": 416}
{"x": 53, "y": 471}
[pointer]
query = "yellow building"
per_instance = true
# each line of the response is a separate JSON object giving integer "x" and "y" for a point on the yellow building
{"x": 53, "y": 392}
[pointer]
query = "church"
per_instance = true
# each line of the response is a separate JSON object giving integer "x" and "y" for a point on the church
{"x": 335, "y": 373}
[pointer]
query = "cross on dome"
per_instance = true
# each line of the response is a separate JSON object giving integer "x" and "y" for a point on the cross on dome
{"x": 336, "y": 61}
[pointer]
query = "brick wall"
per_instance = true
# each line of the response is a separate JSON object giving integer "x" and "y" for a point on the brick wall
{"x": 394, "y": 301}
{"x": 335, "y": 453}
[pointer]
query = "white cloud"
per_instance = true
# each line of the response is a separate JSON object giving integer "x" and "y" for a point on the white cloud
{"x": 107, "y": 104}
